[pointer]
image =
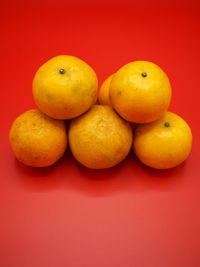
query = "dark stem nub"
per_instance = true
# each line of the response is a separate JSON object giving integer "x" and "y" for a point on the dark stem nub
{"x": 144, "y": 74}
{"x": 61, "y": 71}
{"x": 167, "y": 124}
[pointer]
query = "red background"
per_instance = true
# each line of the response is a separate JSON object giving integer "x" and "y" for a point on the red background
{"x": 129, "y": 215}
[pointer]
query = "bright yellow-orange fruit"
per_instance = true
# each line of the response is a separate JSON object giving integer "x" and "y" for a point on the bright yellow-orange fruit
{"x": 104, "y": 92}
{"x": 164, "y": 143}
{"x": 65, "y": 87}
{"x": 36, "y": 139}
{"x": 140, "y": 92}
{"x": 100, "y": 138}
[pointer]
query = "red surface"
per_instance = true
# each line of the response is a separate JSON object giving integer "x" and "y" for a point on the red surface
{"x": 129, "y": 215}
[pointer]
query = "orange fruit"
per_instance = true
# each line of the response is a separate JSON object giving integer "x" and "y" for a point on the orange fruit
{"x": 104, "y": 92}
{"x": 140, "y": 92}
{"x": 65, "y": 87}
{"x": 36, "y": 139}
{"x": 164, "y": 143}
{"x": 100, "y": 138}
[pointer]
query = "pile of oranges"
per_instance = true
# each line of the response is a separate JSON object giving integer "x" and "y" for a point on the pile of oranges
{"x": 100, "y": 133}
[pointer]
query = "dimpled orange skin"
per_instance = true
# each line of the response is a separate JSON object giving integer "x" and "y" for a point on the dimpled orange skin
{"x": 36, "y": 139}
{"x": 100, "y": 139}
{"x": 104, "y": 92}
{"x": 65, "y": 87}
{"x": 164, "y": 143}
{"x": 140, "y": 92}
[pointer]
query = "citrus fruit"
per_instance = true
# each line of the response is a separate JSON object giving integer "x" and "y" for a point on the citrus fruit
{"x": 140, "y": 91}
{"x": 100, "y": 138}
{"x": 164, "y": 143}
{"x": 65, "y": 87}
{"x": 104, "y": 92}
{"x": 36, "y": 139}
